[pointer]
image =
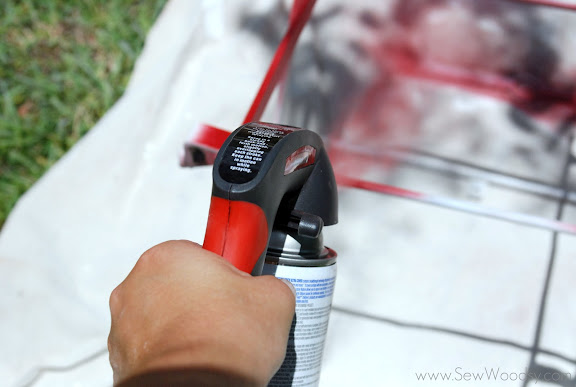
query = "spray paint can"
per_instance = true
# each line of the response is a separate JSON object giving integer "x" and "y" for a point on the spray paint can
{"x": 273, "y": 192}
{"x": 311, "y": 268}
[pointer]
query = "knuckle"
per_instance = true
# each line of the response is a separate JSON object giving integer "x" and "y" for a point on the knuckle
{"x": 165, "y": 252}
{"x": 279, "y": 290}
{"x": 269, "y": 282}
{"x": 115, "y": 298}
{"x": 150, "y": 256}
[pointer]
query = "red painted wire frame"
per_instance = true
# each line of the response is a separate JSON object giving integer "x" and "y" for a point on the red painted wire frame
{"x": 444, "y": 202}
{"x": 454, "y": 204}
{"x": 299, "y": 16}
{"x": 296, "y": 9}
{"x": 496, "y": 86}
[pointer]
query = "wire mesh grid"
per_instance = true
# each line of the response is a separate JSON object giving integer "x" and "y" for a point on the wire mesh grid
{"x": 426, "y": 170}
{"x": 558, "y": 193}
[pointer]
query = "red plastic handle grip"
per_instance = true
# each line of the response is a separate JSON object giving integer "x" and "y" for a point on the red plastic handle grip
{"x": 238, "y": 231}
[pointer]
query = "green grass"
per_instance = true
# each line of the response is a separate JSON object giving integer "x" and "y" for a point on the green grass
{"x": 63, "y": 64}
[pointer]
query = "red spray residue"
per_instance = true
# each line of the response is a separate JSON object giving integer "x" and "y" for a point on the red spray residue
{"x": 495, "y": 48}
{"x": 501, "y": 49}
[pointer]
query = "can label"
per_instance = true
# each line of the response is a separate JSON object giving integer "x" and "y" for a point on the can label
{"x": 314, "y": 289}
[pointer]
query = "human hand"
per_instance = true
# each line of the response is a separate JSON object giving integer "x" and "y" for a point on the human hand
{"x": 182, "y": 307}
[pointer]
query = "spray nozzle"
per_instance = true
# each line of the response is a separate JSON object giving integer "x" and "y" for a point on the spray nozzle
{"x": 307, "y": 225}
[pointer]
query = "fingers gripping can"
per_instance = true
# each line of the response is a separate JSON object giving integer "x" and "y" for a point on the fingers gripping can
{"x": 311, "y": 268}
